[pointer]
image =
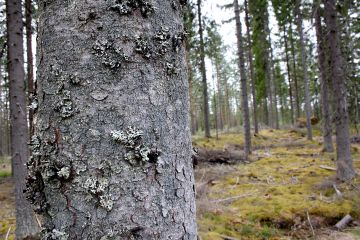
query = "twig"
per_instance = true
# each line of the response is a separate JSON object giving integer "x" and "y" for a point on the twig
{"x": 343, "y": 222}
{"x": 38, "y": 221}
{"x": 327, "y": 168}
{"x": 7, "y": 234}
{"x": 338, "y": 193}
{"x": 228, "y": 238}
{"x": 233, "y": 198}
{"x": 311, "y": 226}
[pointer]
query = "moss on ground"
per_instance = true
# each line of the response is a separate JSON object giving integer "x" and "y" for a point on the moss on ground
{"x": 270, "y": 196}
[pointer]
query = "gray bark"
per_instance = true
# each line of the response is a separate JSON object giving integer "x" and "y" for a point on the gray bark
{"x": 112, "y": 144}
{"x": 273, "y": 86}
{"x": 243, "y": 82}
{"x": 251, "y": 65}
{"x": 26, "y": 225}
{"x": 203, "y": 73}
{"x": 345, "y": 169}
{"x": 305, "y": 70}
{"x": 324, "y": 82}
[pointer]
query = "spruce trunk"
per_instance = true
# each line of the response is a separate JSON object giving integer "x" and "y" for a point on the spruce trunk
{"x": 112, "y": 144}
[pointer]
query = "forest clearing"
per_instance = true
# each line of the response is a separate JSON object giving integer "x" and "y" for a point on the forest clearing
{"x": 274, "y": 196}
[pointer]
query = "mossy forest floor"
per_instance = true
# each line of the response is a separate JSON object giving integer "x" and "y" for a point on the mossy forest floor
{"x": 279, "y": 193}
{"x": 276, "y": 196}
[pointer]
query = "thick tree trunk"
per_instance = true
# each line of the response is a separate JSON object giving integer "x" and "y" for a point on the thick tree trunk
{"x": 305, "y": 70}
{"x": 345, "y": 169}
{"x": 251, "y": 65}
{"x": 203, "y": 73}
{"x": 324, "y": 82}
{"x": 112, "y": 144}
{"x": 289, "y": 77}
{"x": 26, "y": 225}
{"x": 243, "y": 82}
{"x": 29, "y": 55}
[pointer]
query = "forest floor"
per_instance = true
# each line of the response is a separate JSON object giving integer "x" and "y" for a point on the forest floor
{"x": 282, "y": 193}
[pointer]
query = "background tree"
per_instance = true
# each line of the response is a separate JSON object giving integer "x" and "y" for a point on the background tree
{"x": 243, "y": 82}
{"x": 26, "y": 225}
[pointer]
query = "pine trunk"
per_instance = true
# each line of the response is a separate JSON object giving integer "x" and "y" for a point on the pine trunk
{"x": 305, "y": 71}
{"x": 295, "y": 75}
{"x": 243, "y": 82}
{"x": 251, "y": 66}
{"x": 26, "y": 225}
{"x": 324, "y": 82}
{"x": 112, "y": 144}
{"x": 345, "y": 169}
{"x": 203, "y": 73}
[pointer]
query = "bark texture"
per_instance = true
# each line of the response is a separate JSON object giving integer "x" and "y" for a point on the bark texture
{"x": 324, "y": 82}
{"x": 345, "y": 169}
{"x": 305, "y": 70}
{"x": 26, "y": 225}
{"x": 243, "y": 81}
{"x": 203, "y": 73}
{"x": 112, "y": 145}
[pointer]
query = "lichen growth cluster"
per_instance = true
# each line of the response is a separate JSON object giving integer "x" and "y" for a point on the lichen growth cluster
{"x": 65, "y": 105}
{"x": 111, "y": 55}
{"x": 55, "y": 235}
{"x": 142, "y": 46}
{"x": 137, "y": 151}
{"x": 127, "y": 7}
{"x": 98, "y": 187}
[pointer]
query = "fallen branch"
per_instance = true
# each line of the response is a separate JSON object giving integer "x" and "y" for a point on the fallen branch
{"x": 343, "y": 222}
{"x": 234, "y": 198}
{"x": 327, "y": 168}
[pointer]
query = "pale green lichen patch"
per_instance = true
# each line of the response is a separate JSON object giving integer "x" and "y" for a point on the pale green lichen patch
{"x": 137, "y": 151}
{"x": 56, "y": 235}
{"x": 106, "y": 202}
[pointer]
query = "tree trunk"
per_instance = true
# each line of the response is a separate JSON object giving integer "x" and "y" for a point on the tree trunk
{"x": 324, "y": 82}
{"x": 243, "y": 82}
{"x": 26, "y": 225}
{"x": 296, "y": 85}
{"x": 220, "y": 96}
{"x": 273, "y": 86}
{"x": 345, "y": 169}
{"x": 112, "y": 144}
{"x": 289, "y": 78}
{"x": 305, "y": 70}
{"x": 203, "y": 73}
{"x": 251, "y": 65}
{"x": 30, "y": 71}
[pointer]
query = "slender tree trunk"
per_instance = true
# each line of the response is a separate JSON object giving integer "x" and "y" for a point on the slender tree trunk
{"x": 112, "y": 144}
{"x": 243, "y": 82}
{"x": 345, "y": 169}
{"x": 216, "y": 121}
{"x": 30, "y": 71}
{"x": 305, "y": 70}
{"x": 251, "y": 65}
{"x": 289, "y": 78}
{"x": 295, "y": 78}
{"x": 26, "y": 225}
{"x": 203, "y": 73}
{"x": 220, "y": 96}
{"x": 324, "y": 82}
{"x": 273, "y": 86}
